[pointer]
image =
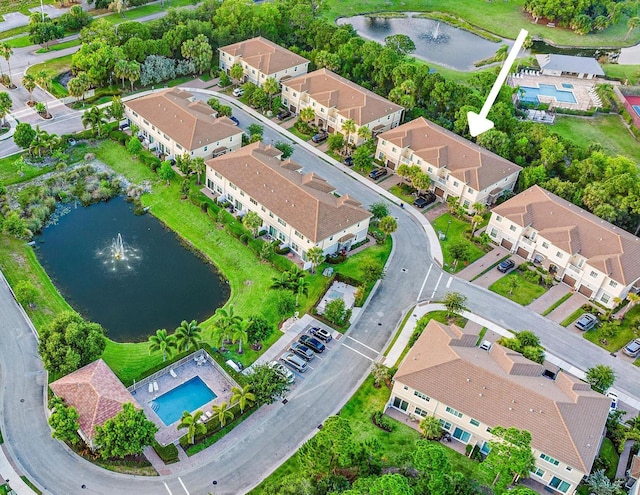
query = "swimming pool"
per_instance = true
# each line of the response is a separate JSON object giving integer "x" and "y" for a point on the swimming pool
{"x": 186, "y": 397}
{"x": 531, "y": 94}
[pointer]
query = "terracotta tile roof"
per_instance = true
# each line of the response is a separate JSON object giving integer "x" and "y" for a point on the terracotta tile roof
{"x": 564, "y": 416}
{"x": 350, "y": 100}
{"x": 606, "y": 247}
{"x": 301, "y": 200}
{"x": 473, "y": 165}
{"x": 264, "y": 55}
{"x": 634, "y": 470}
{"x": 189, "y": 123}
{"x": 95, "y": 392}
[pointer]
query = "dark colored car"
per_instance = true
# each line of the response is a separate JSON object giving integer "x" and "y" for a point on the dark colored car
{"x": 321, "y": 333}
{"x": 377, "y": 173}
{"x": 320, "y": 137}
{"x": 283, "y": 114}
{"x": 235, "y": 120}
{"x": 586, "y": 322}
{"x": 313, "y": 343}
{"x": 632, "y": 349}
{"x": 424, "y": 199}
{"x": 302, "y": 350}
{"x": 124, "y": 125}
{"x": 506, "y": 265}
{"x": 348, "y": 161}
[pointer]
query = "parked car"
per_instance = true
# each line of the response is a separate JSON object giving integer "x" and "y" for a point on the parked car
{"x": 124, "y": 125}
{"x": 586, "y": 322}
{"x": 321, "y": 333}
{"x": 320, "y": 137}
{"x": 235, "y": 365}
{"x": 238, "y": 92}
{"x": 293, "y": 361}
{"x": 505, "y": 266}
{"x": 485, "y": 345}
{"x": 283, "y": 370}
{"x": 425, "y": 199}
{"x": 377, "y": 173}
{"x": 234, "y": 119}
{"x": 312, "y": 342}
{"x": 348, "y": 161}
{"x": 632, "y": 349}
{"x": 283, "y": 114}
{"x": 614, "y": 401}
{"x": 302, "y": 350}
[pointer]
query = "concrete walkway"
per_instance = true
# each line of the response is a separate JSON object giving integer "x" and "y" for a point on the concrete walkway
{"x": 546, "y": 300}
{"x": 624, "y": 459}
{"x": 11, "y": 477}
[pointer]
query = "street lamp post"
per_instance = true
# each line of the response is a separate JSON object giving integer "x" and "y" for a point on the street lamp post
{"x": 447, "y": 231}
{"x": 42, "y": 10}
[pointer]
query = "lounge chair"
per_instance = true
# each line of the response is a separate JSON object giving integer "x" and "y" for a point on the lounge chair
{"x": 155, "y": 386}
{"x": 173, "y": 373}
{"x": 208, "y": 414}
{"x": 150, "y": 387}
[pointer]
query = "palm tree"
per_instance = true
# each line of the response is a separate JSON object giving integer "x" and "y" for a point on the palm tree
{"x": 300, "y": 287}
{"x": 5, "y": 107}
{"x": 364, "y": 132}
{"x": 282, "y": 282}
{"x": 133, "y": 72}
{"x": 388, "y": 225}
{"x": 348, "y": 128}
{"x": 190, "y": 422}
{"x": 240, "y": 334}
{"x": 226, "y": 321}
{"x": 243, "y": 396}
{"x": 198, "y": 166}
{"x": 188, "y": 334}
{"x": 296, "y": 273}
{"x": 236, "y": 72}
{"x": 475, "y": 221}
{"x": 121, "y": 70}
{"x": 29, "y": 83}
{"x": 252, "y": 222}
{"x": 94, "y": 118}
{"x": 632, "y": 23}
{"x": 271, "y": 87}
{"x": 307, "y": 114}
{"x": 223, "y": 413}
{"x": 161, "y": 341}
{"x": 44, "y": 81}
{"x": 316, "y": 256}
{"x": 6, "y": 51}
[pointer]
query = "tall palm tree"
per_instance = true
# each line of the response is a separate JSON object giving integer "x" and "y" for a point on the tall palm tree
{"x": 161, "y": 341}
{"x": 316, "y": 256}
{"x": 348, "y": 128}
{"x": 43, "y": 79}
{"x": 199, "y": 167}
{"x": 364, "y": 132}
{"x": 94, "y": 118}
{"x": 5, "y": 107}
{"x": 223, "y": 413}
{"x": 301, "y": 288}
{"x": 296, "y": 273}
{"x": 188, "y": 335}
{"x": 240, "y": 334}
{"x": 243, "y": 396}
{"x": 226, "y": 321}
{"x": 190, "y": 422}
{"x": 236, "y": 72}
{"x": 632, "y": 23}
{"x": 121, "y": 70}
{"x": 29, "y": 83}
{"x": 6, "y": 51}
{"x": 307, "y": 114}
{"x": 282, "y": 282}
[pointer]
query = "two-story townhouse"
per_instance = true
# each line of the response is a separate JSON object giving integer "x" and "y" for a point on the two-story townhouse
{"x": 471, "y": 391}
{"x": 457, "y": 167}
{"x": 592, "y": 256}
{"x": 262, "y": 59}
{"x": 174, "y": 122}
{"x": 335, "y": 100}
{"x": 298, "y": 208}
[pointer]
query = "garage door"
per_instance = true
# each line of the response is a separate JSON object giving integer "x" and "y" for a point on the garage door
{"x": 506, "y": 244}
{"x": 523, "y": 253}
{"x": 569, "y": 281}
{"x": 439, "y": 192}
{"x": 585, "y": 291}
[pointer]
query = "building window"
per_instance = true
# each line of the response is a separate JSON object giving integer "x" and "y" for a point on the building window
{"x": 219, "y": 176}
{"x": 452, "y": 411}
{"x": 421, "y": 395}
{"x": 263, "y": 208}
{"x": 271, "y": 214}
{"x": 474, "y": 422}
{"x": 605, "y": 298}
{"x": 456, "y": 183}
{"x": 253, "y": 201}
{"x": 559, "y": 255}
{"x": 512, "y": 228}
{"x": 494, "y": 232}
{"x": 469, "y": 190}
{"x": 593, "y": 274}
{"x": 241, "y": 193}
{"x": 445, "y": 424}
{"x": 281, "y": 236}
{"x": 549, "y": 459}
{"x": 282, "y": 222}
{"x": 419, "y": 161}
{"x": 145, "y": 121}
{"x": 135, "y": 114}
{"x": 380, "y": 155}
{"x": 613, "y": 283}
{"x": 498, "y": 218}
{"x": 405, "y": 387}
{"x": 232, "y": 186}
{"x": 205, "y": 148}
{"x": 298, "y": 234}
{"x": 466, "y": 204}
{"x": 538, "y": 472}
{"x": 569, "y": 468}
{"x": 178, "y": 146}
{"x": 559, "y": 484}
{"x": 400, "y": 404}
{"x": 383, "y": 142}
{"x": 545, "y": 245}
{"x": 420, "y": 412}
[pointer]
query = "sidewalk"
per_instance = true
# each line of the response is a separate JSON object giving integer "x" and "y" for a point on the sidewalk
{"x": 11, "y": 477}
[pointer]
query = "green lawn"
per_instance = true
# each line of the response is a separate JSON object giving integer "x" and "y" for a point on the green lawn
{"x": 402, "y": 193}
{"x": 608, "y": 130}
{"x": 54, "y": 68}
{"x": 375, "y": 253}
{"x": 59, "y": 46}
{"x": 133, "y": 14}
{"x": 455, "y": 233}
{"x": 572, "y": 317}
{"x": 501, "y": 18}
{"x": 11, "y": 173}
{"x": 296, "y": 132}
{"x": 14, "y": 32}
{"x": 523, "y": 294}
{"x": 19, "y": 42}
{"x": 608, "y": 451}
{"x": 625, "y": 332}
{"x": 628, "y": 72}
{"x": 8, "y": 6}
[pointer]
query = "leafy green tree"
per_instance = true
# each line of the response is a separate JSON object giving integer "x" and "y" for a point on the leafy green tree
{"x": 69, "y": 343}
{"x": 459, "y": 250}
{"x": 94, "y": 118}
{"x": 252, "y": 221}
{"x": 236, "y": 72}
{"x": 522, "y": 490}
{"x": 335, "y": 311}
{"x": 166, "y": 172}
{"x": 64, "y": 421}
{"x": 362, "y": 158}
{"x": 223, "y": 413}
{"x": 26, "y": 293}
{"x": 193, "y": 426}
{"x": 24, "y": 135}
{"x": 134, "y": 146}
{"x": 335, "y": 142}
{"x": 315, "y": 255}
{"x": 388, "y": 225}
{"x": 116, "y": 109}
{"x": 329, "y": 449}
{"x": 387, "y": 484}
{"x": 188, "y": 335}
{"x": 199, "y": 51}
{"x": 255, "y": 130}
{"x": 632, "y": 23}
{"x": 431, "y": 459}
{"x": 285, "y": 302}
{"x": 42, "y": 33}
{"x": 601, "y": 377}
{"x": 267, "y": 384}
{"x": 510, "y": 457}
{"x": 400, "y": 43}
{"x": 243, "y": 397}
{"x": 430, "y": 428}
{"x": 79, "y": 85}
{"x": 259, "y": 329}
{"x": 127, "y": 433}
{"x": 380, "y": 374}
{"x": 371, "y": 271}
{"x": 455, "y": 302}
{"x": 286, "y": 148}
{"x": 599, "y": 484}
{"x": 379, "y": 210}
{"x": 162, "y": 342}
{"x": 16, "y": 226}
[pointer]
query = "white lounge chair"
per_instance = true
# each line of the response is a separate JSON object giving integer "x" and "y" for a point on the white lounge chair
{"x": 208, "y": 414}
{"x": 155, "y": 386}
{"x": 150, "y": 387}
{"x": 173, "y": 373}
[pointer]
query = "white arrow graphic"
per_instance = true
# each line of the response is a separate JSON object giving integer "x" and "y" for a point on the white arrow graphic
{"x": 480, "y": 123}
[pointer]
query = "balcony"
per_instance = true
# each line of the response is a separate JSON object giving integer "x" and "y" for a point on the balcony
{"x": 574, "y": 269}
{"x": 527, "y": 242}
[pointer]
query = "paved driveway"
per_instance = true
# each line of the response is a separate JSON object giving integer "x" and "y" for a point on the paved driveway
{"x": 547, "y": 299}
{"x": 567, "y": 308}
{"x": 478, "y": 266}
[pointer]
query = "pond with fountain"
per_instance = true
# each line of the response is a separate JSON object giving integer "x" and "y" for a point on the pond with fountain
{"x": 127, "y": 272}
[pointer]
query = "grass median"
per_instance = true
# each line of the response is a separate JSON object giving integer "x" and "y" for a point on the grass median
{"x": 454, "y": 230}
{"x": 513, "y": 286}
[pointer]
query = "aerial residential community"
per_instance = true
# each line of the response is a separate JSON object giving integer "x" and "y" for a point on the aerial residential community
{"x": 259, "y": 247}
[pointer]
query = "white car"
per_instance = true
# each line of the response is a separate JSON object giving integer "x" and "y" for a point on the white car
{"x": 485, "y": 345}
{"x": 283, "y": 370}
{"x": 614, "y": 401}
{"x": 238, "y": 92}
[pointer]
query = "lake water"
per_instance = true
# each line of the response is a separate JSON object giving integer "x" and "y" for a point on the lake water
{"x": 435, "y": 41}
{"x": 156, "y": 284}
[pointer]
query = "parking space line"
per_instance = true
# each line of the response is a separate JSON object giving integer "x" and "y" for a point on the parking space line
{"x": 424, "y": 282}
{"x": 185, "y": 488}
{"x": 358, "y": 352}
{"x": 167, "y": 487}
{"x": 363, "y": 345}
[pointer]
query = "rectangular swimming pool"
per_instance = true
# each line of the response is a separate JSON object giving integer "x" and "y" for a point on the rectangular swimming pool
{"x": 531, "y": 94}
{"x": 189, "y": 396}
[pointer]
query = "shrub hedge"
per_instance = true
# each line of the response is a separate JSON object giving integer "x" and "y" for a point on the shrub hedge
{"x": 168, "y": 454}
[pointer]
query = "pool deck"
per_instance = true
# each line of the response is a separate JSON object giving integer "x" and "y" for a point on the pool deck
{"x": 209, "y": 374}
{"x": 582, "y": 89}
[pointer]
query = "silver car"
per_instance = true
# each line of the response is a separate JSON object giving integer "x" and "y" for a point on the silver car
{"x": 632, "y": 349}
{"x": 293, "y": 361}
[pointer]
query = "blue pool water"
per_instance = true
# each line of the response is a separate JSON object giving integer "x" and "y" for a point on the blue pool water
{"x": 637, "y": 109}
{"x": 189, "y": 396}
{"x": 567, "y": 85}
{"x": 531, "y": 94}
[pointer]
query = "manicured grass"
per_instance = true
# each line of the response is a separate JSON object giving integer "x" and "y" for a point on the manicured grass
{"x": 59, "y": 46}
{"x": 4, "y": 489}
{"x": 352, "y": 267}
{"x": 625, "y": 332}
{"x": 8, "y": 6}
{"x": 491, "y": 267}
{"x": 399, "y": 331}
{"x": 10, "y": 173}
{"x": 399, "y": 192}
{"x": 572, "y": 317}
{"x": 20, "y": 42}
{"x": 14, "y": 32}
{"x": 133, "y": 14}
{"x": 607, "y": 130}
{"x": 523, "y": 294}
{"x": 556, "y": 304}
{"x": 608, "y": 451}
{"x": 296, "y": 132}
{"x": 455, "y": 233}
{"x": 502, "y": 18}
{"x": 31, "y": 485}
{"x": 54, "y": 68}
{"x": 629, "y": 72}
